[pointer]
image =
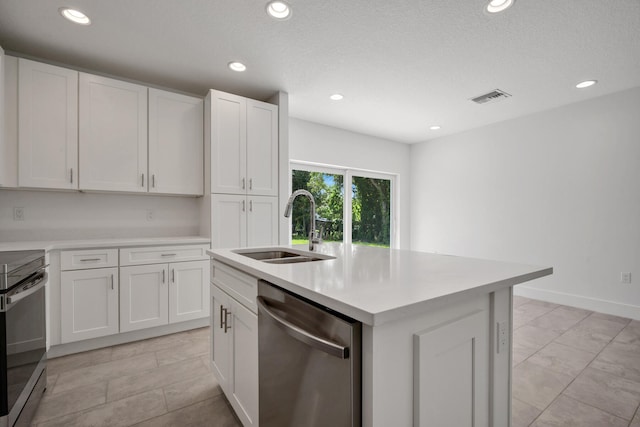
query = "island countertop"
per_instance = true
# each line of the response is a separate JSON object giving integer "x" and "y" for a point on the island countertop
{"x": 379, "y": 285}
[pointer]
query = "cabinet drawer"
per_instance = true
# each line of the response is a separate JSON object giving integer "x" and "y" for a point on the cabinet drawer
{"x": 239, "y": 285}
{"x": 88, "y": 258}
{"x": 159, "y": 254}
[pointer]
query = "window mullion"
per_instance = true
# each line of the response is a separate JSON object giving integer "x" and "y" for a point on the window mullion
{"x": 347, "y": 217}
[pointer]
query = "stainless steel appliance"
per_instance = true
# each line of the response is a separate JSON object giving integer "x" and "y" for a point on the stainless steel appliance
{"x": 23, "y": 350}
{"x": 309, "y": 362}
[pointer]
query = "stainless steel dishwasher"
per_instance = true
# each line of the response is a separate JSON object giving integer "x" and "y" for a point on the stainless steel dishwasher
{"x": 309, "y": 362}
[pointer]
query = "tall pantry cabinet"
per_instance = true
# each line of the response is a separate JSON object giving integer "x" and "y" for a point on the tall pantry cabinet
{"x": 242, "y": 138}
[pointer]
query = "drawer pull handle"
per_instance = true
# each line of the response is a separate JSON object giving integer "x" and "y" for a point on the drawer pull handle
{"x": 173, "y": 275}
{"x": 163, "y": 275}
{"x": 90, "y": 260}
{"x": 227, "y": 313}
{"x": 222, "y": 316}
{"x": 112, "y": 282}
{"x": 168, "y": 255}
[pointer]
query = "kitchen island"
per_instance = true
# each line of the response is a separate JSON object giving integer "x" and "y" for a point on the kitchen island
{"x": 436, "y": 329}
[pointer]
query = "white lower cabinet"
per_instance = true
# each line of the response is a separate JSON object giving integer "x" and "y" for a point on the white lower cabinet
{"x": 104, "y": 291}
{"x": 89, "y": 304}
{"x": 234, "y": 351}
{"x": 159, "y": 294}
{"x": 144, "y": 297}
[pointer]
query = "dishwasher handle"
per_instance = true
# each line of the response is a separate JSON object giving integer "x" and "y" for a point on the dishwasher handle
{"x": 301, "y": 335}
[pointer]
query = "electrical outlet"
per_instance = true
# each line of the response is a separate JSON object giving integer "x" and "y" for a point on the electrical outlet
{"x": 18, "y": 214}
{"x": 625, "y": 277}
{"x": 501, "y": 332}
{"x": 149, "y": 215}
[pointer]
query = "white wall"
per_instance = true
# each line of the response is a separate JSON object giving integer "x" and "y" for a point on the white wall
{"x": 558, "y": 188}
{"x": 317, "y": 143}
{"x": 56, "y": 215}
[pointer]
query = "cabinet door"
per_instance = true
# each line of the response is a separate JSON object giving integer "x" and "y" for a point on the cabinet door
{"x": 112, "y": 135}
{"x": 89, "y": 304}
{"x": 262, "y": 221}
{"x": 220, "y": 356}
{"x": 228, "y": 221}
{"x": 228, "y": 143}
{"x": 451, "y": 366}
{"x": 188, "y": 290}
{"x": 47, "y": 126}
{"x": 175, "y": 143}
{"x": 262, "y": 148}
{"x": 144, "y": 296}
{"x": 244, "y": 377}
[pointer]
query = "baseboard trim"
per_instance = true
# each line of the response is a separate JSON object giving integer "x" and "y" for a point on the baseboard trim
{"x": 142, "y": 334}
{"x": 593, "y": 304}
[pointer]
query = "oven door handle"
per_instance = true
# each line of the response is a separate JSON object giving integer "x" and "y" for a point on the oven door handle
{"x": 319, "y": 343}
{"x": 36, "y": 285}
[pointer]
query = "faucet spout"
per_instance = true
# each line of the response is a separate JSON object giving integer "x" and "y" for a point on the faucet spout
{"x": 313, "y": 238}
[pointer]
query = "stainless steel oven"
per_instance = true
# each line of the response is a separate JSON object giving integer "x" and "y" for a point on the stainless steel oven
{"x": 23, "y": 349}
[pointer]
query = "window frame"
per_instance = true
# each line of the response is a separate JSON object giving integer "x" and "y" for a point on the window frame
{"x": 347, "y": 175}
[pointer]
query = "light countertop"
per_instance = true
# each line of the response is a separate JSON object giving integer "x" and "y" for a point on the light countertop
{"x": 377, "y": 285}
{"x": 102, "y": 243}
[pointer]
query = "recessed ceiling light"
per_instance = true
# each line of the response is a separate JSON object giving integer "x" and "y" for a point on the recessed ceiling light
{"x": 495, "y": 6}
{"x": 336, "y": 97}
{"x": 237, "y": 66}
{"x": 74, "y": 15}
{"x": 434, "y": 127}
{"x": 586, "y": 83}
{"x": 279, "y": 10}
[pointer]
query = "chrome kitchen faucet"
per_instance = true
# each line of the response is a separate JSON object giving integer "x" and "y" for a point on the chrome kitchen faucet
{"x": 313, "y": 236}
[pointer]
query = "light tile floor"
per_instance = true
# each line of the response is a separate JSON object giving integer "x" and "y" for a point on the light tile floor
{"x": 571, "y": 367}
{"x": 164, "y": 381}
{"x": 574, "y": 367}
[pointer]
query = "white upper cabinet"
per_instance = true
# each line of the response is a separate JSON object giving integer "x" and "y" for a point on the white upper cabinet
{"x": 244, "y": 145}
{"x": 175, "y": 143}
{"x": 47, "y": 126}
{"x": 112, "y": 135}
{"x": 262, "y": 148}
{"x": 228, "y": 143}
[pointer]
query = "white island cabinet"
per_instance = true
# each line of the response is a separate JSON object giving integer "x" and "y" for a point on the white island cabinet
{"x": 436, "y": 329}
{"x": 234, "y": 330}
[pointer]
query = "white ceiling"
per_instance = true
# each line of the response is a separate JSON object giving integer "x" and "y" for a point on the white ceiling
{"x": 403, "y": 65}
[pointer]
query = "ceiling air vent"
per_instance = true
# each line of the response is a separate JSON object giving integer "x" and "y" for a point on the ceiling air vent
{"x": 493, "y": 96}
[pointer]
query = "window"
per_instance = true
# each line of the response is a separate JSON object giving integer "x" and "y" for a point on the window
{"x": 364, "y": 218}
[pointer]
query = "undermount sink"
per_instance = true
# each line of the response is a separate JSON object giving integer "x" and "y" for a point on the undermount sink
{"x": 278, "y": 256}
